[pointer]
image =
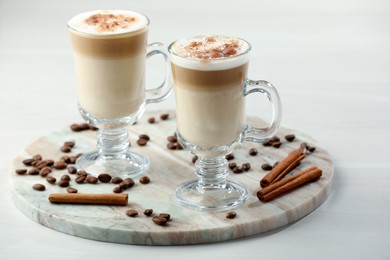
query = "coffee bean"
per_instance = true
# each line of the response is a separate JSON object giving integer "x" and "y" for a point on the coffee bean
{"x": 253, "y": 151}
{"x": 194, "y": 159}
{"x": 71, "y": 190}
{"x": 172, "y": 139}
{"x": 39, "y": 187}
{"x": 75, "y": 127}
{"x": 142, "y": 142}
{"x": 266, "y": 167}
{"x": 229, "y": 157}
{"x": 51, "y": 179}
{"x": 161, "y": 221}
{"x": 91, "y": 179}
{"x": 267, "y": 143}
{"x": 151, "y": 120}
{"x": 148, "y": 212}
{"x": 66, "y": 149}
{"x": 144, "y": 136}
{"x": 171, "y": 146}
{"x": 164, "y": 116}
{"x": 63, "y": 183}
{"x": 231, "y": 214}
{"x": 65, "y": 177}
{"x": 237, "y": 170}
{"x": 59, "y": 165}
{"x": 232, "y": 165}
{"x": 116, "y": 180}
{"x": 275, "y": 163}
{"x": 37, "y": 157}
{"x": 72, "y": 169}
{"x": 93, "y": 128}
{"x": 117, "y": 189}
{"x": 144, "y": 180}
{"x": 129, "y": 182}
{"x": 165, "y": 215}
{"x": 33, "y": 171}
{"x": 65, "y": 159}
{"x": 45, "y": 171}
{"x": 275, "y": 139}
{"x": 49, "y": 162}
{"x": 21, "y": 171}
{"x": 276, "y": 144}
{"x": 81, "y": 173}
{"x": 131, "y": 213}
{"x": 179, "y": 146}
{"x": 303, "y": 146}
{"x": 123, "y": 185}
{"x": 80, "y": 178}
{"x": 311, "y": 148}
{"x": 71, "y": 144}
{"x": 290, "y": 137}
{"x": 27, "y": 162}
{"x": 246, "y": 166}
{"x": 85, "y": 126}
{"x": 72, "y": 159}
{"x": 104, "y": 177}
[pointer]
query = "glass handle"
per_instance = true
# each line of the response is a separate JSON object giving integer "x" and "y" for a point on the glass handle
{"x": 255, "y": 134}
{"x": 163, "y": 91}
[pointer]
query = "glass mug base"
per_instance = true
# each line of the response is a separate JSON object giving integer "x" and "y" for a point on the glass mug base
{"x": 228, "y": 196}
{"x": 128, "y": 165}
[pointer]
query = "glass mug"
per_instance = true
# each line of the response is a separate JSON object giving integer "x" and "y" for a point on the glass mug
{"x": 210, "y": 85}
{"x": 110, "y": 51}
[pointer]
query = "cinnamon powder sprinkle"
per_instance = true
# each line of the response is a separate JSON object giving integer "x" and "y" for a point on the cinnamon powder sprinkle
{"x": 109, "y": 22}
{"x": 199, "y": 50}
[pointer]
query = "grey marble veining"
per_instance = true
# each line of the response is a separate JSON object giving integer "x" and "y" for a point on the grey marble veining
{"x": 168, "y": 169}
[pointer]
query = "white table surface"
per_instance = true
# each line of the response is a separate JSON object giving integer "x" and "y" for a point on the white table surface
{"x": 330, "y": 61}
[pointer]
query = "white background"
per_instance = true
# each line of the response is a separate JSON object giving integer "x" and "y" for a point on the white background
{"x": 330, "y": 61}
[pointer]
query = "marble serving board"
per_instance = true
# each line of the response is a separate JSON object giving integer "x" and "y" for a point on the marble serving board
{"x": 167, "y": 170}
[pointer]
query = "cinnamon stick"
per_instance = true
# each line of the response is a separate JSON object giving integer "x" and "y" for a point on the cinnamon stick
{"x": 289, "y": 183}
{"x": 283, "y": 167}
{"x": 83, "y": 198}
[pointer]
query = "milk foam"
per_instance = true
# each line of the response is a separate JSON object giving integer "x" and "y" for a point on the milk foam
{"x": 133, "y": 22}
{"x": 201, "y": 53}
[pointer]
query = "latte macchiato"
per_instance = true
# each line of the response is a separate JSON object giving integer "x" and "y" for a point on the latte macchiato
{"x": 110, "y": 52}
{"x": 209, "y": 74}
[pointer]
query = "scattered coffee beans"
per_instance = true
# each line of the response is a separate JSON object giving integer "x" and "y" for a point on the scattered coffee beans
{"x": 237, "y": 170}
{"x": 246, "y": 166}
{"x": 33, "y": 171}
{"x": 116, "y": 180}
{"x": 71, "y": 190}
{"x": 51, "y": 179}
{"x": 144, "y": 180}
{"x": 66, "y": 149}
{"x": 39, "y": 187}
{"x": 63, "y": 183}
{"x": 232, "y": 165}
{"x": 27, "y": 162}
{"x": 45, "y": 171}
{"x": 276, "y": 144}
{"x": 60, "y": 165}
{"x": 151, "y": 120}
{"x": 290, "y": 137}
{"x": 21, "y": 171}
{"x": 72, "y": 169}
{"x": 65, "y": 177}
{"x": 267, "y": 143}
{"x": 266, "y": 167}
{"x": 117, "y": 189}
{"x": 165, "y": 215}
{"x": 104, "y": 177}
{"x": 91, "y": 179}
{"x": 131, "y": 213}
{"x": 231, "y": 214}
{"x": 253, "y": 151}
{"x": 172, "y": 139}
{"x": 142, "y": 142}
{"x": 161, "y": 221}
{"x": 148, "y": 212}
{"x": 144, "y": 136}
{"x": 164, "y": 116}
{"x": 129, "y": 181}
{"x": 194, "y": 159}
{"x": 80, "y": 178}
{"x": 229, "y": 157}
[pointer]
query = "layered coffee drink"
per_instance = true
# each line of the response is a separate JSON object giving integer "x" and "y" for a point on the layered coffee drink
{"x": 209, "y": 74}
{"x": 110, "y": 52}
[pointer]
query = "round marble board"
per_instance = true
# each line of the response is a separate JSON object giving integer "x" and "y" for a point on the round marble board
{"x": 168, "y": 169}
